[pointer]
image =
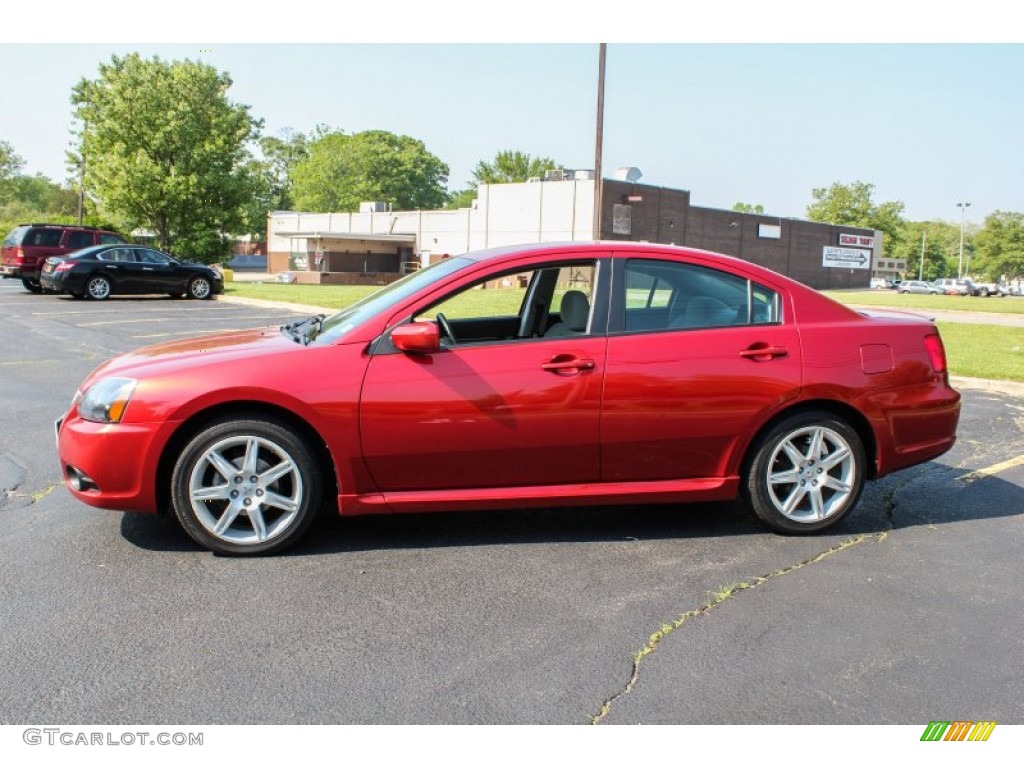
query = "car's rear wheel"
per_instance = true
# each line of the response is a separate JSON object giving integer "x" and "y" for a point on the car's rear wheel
{"x": 98, "y": 287}
{"x": 246, "y": 486}
{"x": 807, "y": 473}
{"x": 199, "y": 288}
{"x": 33, "y": 286}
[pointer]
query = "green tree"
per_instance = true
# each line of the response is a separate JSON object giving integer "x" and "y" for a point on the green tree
{"x": 851, "y": 204}
{"x": 166, "y": 150}
{"x": 280, "y": 156}
{"x": 510, "y": 166}
{"x": 747, "y": 208}
{"x": 343, "y": 170}
{"x": 10, "y": 166}
{"x": 941, "y": 240}
{"x": 999, "y": 246}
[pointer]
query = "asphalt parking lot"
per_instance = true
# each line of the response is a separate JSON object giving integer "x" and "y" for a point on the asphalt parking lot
{"x": 911, "y": 612}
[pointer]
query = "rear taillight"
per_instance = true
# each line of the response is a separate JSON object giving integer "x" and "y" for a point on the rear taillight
{"x": 936, "y": 352}
{"x": 64, "y": 266}
{"x": 19, "y": 255}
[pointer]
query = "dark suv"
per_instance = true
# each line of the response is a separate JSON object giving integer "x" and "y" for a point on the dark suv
{"x": 27, "y": 246}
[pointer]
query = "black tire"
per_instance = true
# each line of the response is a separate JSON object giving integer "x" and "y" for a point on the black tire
{"x": 259, "y": 511}
{"x": 806, "y": 473}
{"x": 200, "y": 288}
{"x": 99, "y": 287}
{"x": 32, "y": 286}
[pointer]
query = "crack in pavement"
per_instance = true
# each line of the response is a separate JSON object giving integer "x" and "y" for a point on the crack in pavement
{"x": 724, "y": 594}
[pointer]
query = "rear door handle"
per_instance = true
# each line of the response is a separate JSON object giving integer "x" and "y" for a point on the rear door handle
{"x": 762, "y": 353}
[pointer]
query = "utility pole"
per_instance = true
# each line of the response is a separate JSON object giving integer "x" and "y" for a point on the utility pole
{"x": 963, "y": 213}
{"x": 920, "y": 267}
{"x": 599, "y": 142}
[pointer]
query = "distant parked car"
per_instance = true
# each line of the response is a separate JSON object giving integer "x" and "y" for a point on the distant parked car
{"x": 879, "y": 283}
{"x": 1009, "y": 289}
{"x": 918, "y": 286}
{"x": 952, "y": 286}
{"x": 248, "y": 262}
{"x": 982, "y": 289}
{"x": 28, "y": 246}
{"x": 104, "y": 270}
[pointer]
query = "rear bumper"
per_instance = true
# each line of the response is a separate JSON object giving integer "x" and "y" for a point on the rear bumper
{"x": 921, "y": 423}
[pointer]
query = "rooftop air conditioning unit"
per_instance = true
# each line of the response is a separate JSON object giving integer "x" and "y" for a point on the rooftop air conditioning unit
{"x": 628, "y": 173}
{"x": 556, "y": 174}
{"x": 373, "y": 207}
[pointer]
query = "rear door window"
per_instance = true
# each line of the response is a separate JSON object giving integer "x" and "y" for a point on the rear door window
{"x": 79, "y": 239}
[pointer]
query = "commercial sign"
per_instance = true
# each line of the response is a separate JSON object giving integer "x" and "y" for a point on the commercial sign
{"x": 856, "y": 241}
{"x": 845, "y": 258}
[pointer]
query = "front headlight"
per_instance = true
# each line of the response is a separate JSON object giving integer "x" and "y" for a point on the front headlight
{"x": 106, "y": 400}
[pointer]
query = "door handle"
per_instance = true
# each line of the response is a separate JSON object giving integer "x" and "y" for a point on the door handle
{"x": 147, "y": 269}
{"x": 568, "y": 364}
{"x": 763, "y": 352}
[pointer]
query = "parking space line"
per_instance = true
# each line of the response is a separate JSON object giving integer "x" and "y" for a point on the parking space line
{"x": 123, "y": 320}
{"x": 995, "y": 469}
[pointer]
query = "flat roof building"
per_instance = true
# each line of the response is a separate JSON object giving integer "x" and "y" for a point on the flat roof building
{"x": 377, "y": 245}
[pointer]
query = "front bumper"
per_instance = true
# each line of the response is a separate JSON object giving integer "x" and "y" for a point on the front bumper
{"x": 118, "y": 461}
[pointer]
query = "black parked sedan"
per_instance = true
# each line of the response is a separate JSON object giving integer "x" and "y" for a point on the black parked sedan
{"x": 103, "y": 270}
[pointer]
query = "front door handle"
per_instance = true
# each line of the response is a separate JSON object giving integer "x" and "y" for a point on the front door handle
{"x": 763, "y": 352}
{"x": 568, "y": 364}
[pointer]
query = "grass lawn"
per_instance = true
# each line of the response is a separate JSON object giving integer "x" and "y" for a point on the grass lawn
{"x": 1007, "y": 305}
{"x": 982, "y": 351}
{"x": 337, "y": 296}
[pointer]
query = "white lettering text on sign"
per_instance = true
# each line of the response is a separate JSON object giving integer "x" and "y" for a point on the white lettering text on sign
{"x": 856, "y": 241}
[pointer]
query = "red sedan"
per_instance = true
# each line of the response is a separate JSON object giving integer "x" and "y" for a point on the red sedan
{"x": 528, "y": 376}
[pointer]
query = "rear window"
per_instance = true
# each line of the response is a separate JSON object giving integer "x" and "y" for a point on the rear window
{"x": 15, "y": 236}
{"x": 108, "y": 239}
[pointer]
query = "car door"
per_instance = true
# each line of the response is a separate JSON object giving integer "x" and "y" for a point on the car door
{"x": 155, "y": 273}
{"x": 696, "y": 356}
{"x": 504, "y": 405}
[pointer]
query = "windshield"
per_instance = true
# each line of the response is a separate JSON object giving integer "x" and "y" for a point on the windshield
{"x": 333, "y": 327}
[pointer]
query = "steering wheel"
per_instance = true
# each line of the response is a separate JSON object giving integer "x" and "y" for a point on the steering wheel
{"x": 445, "y": 326}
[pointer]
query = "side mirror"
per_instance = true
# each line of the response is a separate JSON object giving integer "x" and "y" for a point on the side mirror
{"x": 419, "y": 338}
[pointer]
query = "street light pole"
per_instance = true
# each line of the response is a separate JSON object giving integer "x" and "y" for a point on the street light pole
{"x": 963, "y": 213}
{"x": 599, "y": 142}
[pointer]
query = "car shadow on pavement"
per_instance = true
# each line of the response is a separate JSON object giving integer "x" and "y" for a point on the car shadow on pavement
{"x": 930, "y": 495}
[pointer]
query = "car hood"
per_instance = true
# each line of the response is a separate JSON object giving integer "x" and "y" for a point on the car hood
{"x": 195, "y": 352}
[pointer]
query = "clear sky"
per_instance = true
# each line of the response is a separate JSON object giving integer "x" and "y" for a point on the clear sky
{"x": 748, "y": 111}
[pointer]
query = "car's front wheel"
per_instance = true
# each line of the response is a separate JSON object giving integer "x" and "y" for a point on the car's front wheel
{"x": 246, "y": 486}
{"x": 199, "y": 288}
{"x": 98, "y": 287}
{"x": 806, "y": 474}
